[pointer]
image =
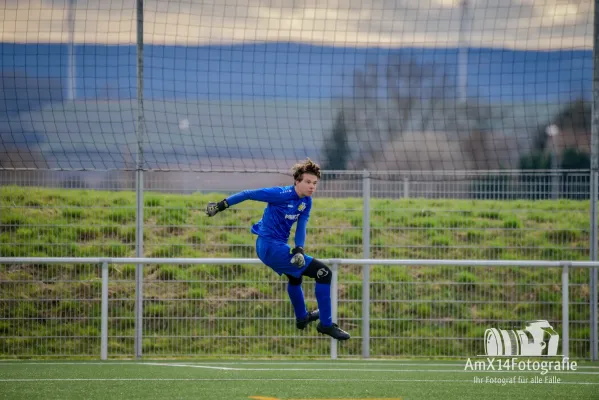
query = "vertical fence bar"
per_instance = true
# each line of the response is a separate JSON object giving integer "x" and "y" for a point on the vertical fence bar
{"x": 139, "y": 182}
{"x": 334, "y": 301}
{"x": 104, "y": 314}
{"x": 71, "y": 74}
{"x": 594, "y": 322}
{"x": 406, "y": 187}
{"x": 554, "y": 176}
{"x": 139, "y": 268}
{"x": 366, "y": 268}
{"x": 565, "y": 313}
{"x": 463, "y": 54}
{"x": 594, "y": 183}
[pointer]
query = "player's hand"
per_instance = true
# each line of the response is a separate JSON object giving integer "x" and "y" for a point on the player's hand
{"x": 213, "y": 208}
{"x": 298, "y": 257}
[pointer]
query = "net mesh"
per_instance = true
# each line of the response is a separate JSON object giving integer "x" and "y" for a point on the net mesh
{"x": 248, "y": 85}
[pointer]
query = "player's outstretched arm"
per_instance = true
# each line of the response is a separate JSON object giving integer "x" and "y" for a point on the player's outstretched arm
{"x": 268, "y": 195}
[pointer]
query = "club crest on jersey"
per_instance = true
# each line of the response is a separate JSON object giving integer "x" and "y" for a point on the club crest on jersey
{"x": 301, "y": 207}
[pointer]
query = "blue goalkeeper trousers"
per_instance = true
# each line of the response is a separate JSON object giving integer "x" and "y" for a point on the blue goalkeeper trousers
{"x": 277, "y": 255}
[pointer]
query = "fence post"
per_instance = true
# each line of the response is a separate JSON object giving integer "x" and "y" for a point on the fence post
{"x": 334, "y": 300}
{"x": 594, "y": 319}
{"x": 366, "y": 268}
{"x": 594, "y": 184}
{"x": 104, "y": 313}
{"x": 555, "y": 179}
{"x": 406, "y": 187}
{"x": 139, "y": 184}
{"x": 565, "y": 313}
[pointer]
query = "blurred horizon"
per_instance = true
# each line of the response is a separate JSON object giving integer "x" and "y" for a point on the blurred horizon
{"x": 294, "y": 70}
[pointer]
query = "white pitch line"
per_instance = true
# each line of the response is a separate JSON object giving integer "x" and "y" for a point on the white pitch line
{"x": 277, "y": 369}
{"x": 340, "y": 363}
{"x": 348, "y": 364}
{"x": 360, "y": 370}
{"x": 252, "y": 380}
{"x": 192, "y": 366}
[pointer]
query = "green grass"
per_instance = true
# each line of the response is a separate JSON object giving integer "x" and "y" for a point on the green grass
{"x": 411, "y": 306}
{"x": 287, "y": 380}
{"x": 101, "y": 223}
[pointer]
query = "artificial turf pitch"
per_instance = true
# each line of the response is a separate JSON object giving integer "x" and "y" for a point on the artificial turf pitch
{"x": 286, "y": 380}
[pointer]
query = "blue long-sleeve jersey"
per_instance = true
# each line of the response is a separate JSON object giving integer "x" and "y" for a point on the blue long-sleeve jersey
{"x": 284, "y": 207}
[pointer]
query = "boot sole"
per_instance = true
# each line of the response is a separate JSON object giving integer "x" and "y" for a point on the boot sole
{"x": 339, "y": 339}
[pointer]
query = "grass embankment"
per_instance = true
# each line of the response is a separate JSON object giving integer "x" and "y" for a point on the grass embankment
{"x": 197, "y": 309}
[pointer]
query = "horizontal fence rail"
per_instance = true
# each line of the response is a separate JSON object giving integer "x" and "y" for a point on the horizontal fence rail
{"x": 76, "y": 309}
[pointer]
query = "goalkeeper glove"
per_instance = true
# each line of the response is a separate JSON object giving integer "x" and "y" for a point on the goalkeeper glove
{"x": 298, "y": 257}
{"x": 213, "y": 208}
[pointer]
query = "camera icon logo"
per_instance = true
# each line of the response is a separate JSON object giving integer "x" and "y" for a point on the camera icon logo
{"x": 538, "y": 338}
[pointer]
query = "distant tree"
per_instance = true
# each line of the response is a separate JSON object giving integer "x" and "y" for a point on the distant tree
{"x": 535, "y": 160}
{"x": 571, "y": 145}
{"x": 575, "y": 116}
{"x": 578, "y": 185}
{"x": 386, "y": 101}
{"x": 575, "y": 159}
{"x": 336, "y": 149}
{"x": 403, "y": 108}
{"x": 571, "y": 159}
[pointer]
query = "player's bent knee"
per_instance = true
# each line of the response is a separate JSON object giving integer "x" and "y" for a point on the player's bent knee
{"x": 324, "y": 275}
{"x": 293, "y": 281}
{"x": 320, "y": 272}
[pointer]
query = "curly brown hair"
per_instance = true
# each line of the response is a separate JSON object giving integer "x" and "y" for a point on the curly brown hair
{"x": 305, "y": 167}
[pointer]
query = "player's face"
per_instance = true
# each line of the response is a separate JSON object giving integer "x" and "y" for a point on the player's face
{"x": 307, "y": 186}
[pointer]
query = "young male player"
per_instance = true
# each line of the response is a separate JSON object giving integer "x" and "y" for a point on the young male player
{"x": 285, "y": 206}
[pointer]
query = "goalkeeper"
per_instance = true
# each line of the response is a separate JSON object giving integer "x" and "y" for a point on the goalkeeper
{"x": 285, "y": 206}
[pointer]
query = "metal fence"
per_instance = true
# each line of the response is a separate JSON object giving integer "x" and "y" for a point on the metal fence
{"x": 361, "y": 214}
{"x": 66, "y": 307}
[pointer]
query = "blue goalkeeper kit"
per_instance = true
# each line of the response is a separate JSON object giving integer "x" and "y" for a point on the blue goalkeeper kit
{"x": 284, "y": 207}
